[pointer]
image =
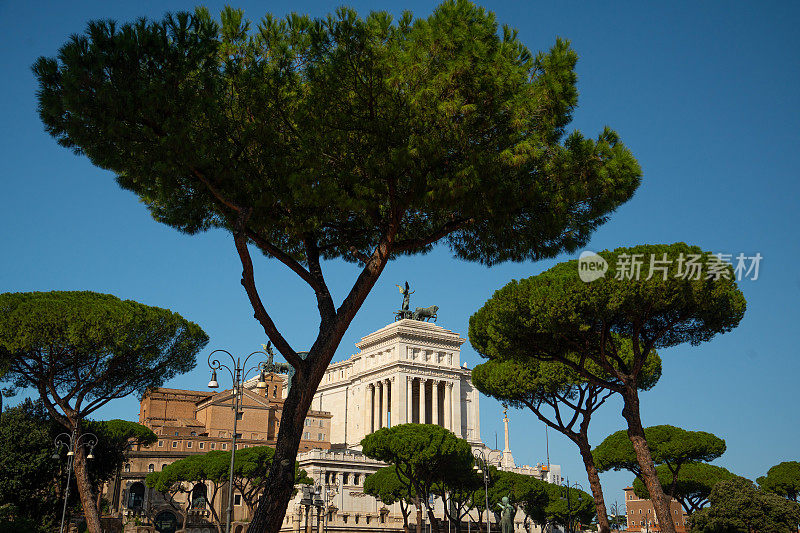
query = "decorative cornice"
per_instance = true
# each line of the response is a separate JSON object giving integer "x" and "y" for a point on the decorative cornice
{"x": 411, "y": 329}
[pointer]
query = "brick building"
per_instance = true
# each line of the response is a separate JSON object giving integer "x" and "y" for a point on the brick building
{"x": 195, "y": 422}
{"x": 642, "y": 516}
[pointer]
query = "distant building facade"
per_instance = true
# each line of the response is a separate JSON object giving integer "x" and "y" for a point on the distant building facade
{"x": 642, "y": 515}
{"x": 408, "y": 371}
{"x": 196, "y": 422}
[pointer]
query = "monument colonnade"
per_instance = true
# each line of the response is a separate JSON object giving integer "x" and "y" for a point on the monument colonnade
{"x": 427, "y": 401}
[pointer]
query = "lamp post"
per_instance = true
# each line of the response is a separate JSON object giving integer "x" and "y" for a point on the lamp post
{"x": 322, "y": 492}
{"x": 68, "y": 441}
{"x": 568, "y": 488}
{"x": 237, "y": 376}
{"x": 485, "y": 459}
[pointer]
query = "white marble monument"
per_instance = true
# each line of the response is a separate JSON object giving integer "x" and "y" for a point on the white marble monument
{"x": 408, "y": 371}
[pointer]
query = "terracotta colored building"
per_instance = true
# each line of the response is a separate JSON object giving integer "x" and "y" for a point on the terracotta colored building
{"x": 642, "y": 516}
{"x": 195, "y": 422}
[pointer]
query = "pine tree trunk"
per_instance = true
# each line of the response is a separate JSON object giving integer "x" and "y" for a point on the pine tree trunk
{"x": 661, "y": 504}
{"x": 419, "y": 517}
{"x": 271, "y": 509}
{"x": 404, "y": 510}
{"x": 85, "y": 487}
{"x": 594, "y": 483}
{"x": 434, "y": 522}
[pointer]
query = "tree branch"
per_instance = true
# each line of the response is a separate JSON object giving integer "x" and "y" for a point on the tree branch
{"x": 269, "y": 248}
{"x": 414, "y": 244}
{"x": 260, "y": 312}
{"x": 327, "y": 311}
{"x": 215, "y": 192}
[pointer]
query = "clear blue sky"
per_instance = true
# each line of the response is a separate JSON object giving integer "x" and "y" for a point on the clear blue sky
{"x": 705, "y": 95}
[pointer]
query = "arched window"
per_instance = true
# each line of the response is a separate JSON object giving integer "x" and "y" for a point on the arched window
{"x": 127, "y": 467}
{"x": 151, "y": 467}
{"x": 198, "y": 496}
{"x": 136, "y": 496}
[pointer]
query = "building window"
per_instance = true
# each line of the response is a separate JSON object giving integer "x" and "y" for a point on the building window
{"x": 357, "y": 517}
{"x": 344, "y": 518}
{"x": 344, "y": 478}
{"x": 237, "y": 499}
{"x": 307, "y": 435}
{"x": 213, "y": 445}
{"x": 224, "y": 445}
{"x": 201, "y": 445}
{"x": 189, "y": 444}
{"x": 161, "y": 444}
{"x": 367, "y": 517}
{"x": 322, "y": 436}
{"x": 127, "y": 467}
{"x": 239, "y": 415}
{"x": 275, "y": 391}
{"x": 321, "y": 424}
{"x": 193, "y": 433}
{"x": 151, "y": 467}
{"x": 176, "y": 433}
{"x": 174, "y": 444}
{"x": 355, "y": 479}
{"x": 307, "y": 422}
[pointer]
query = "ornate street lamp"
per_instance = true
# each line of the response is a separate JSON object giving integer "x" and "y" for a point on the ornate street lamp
{"x": 568, "y": 488}
{"x": 483, "y": 468}
{"x": 237, "y": 376}
{"x": 68, "y": 441}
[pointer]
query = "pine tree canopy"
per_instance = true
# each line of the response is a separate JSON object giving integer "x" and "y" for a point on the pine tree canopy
{"x": 329, "y": 136}
{"x": 669, "y": 445}
{"x": 82, "y": 349}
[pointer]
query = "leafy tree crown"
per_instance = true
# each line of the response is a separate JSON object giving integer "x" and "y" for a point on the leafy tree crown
{"x": 87, "y": 348}
{"x": 668, "y": 445}
{"x": 341, "y": 128}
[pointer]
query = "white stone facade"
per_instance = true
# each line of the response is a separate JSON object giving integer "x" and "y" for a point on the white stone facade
{"x": 408, "y": 371}
{"x": 391, "y": 380}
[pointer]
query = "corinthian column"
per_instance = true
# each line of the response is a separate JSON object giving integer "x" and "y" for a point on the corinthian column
{"x": 448, "y": 405}
{"x": 435, "y": 402}
{"x": 376, "y": 407}
{"x": 410, "y": 400}
{"x": 385, "y": 404}
{"x": 422, "y": 401}
{"x": 367, "y": 409}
